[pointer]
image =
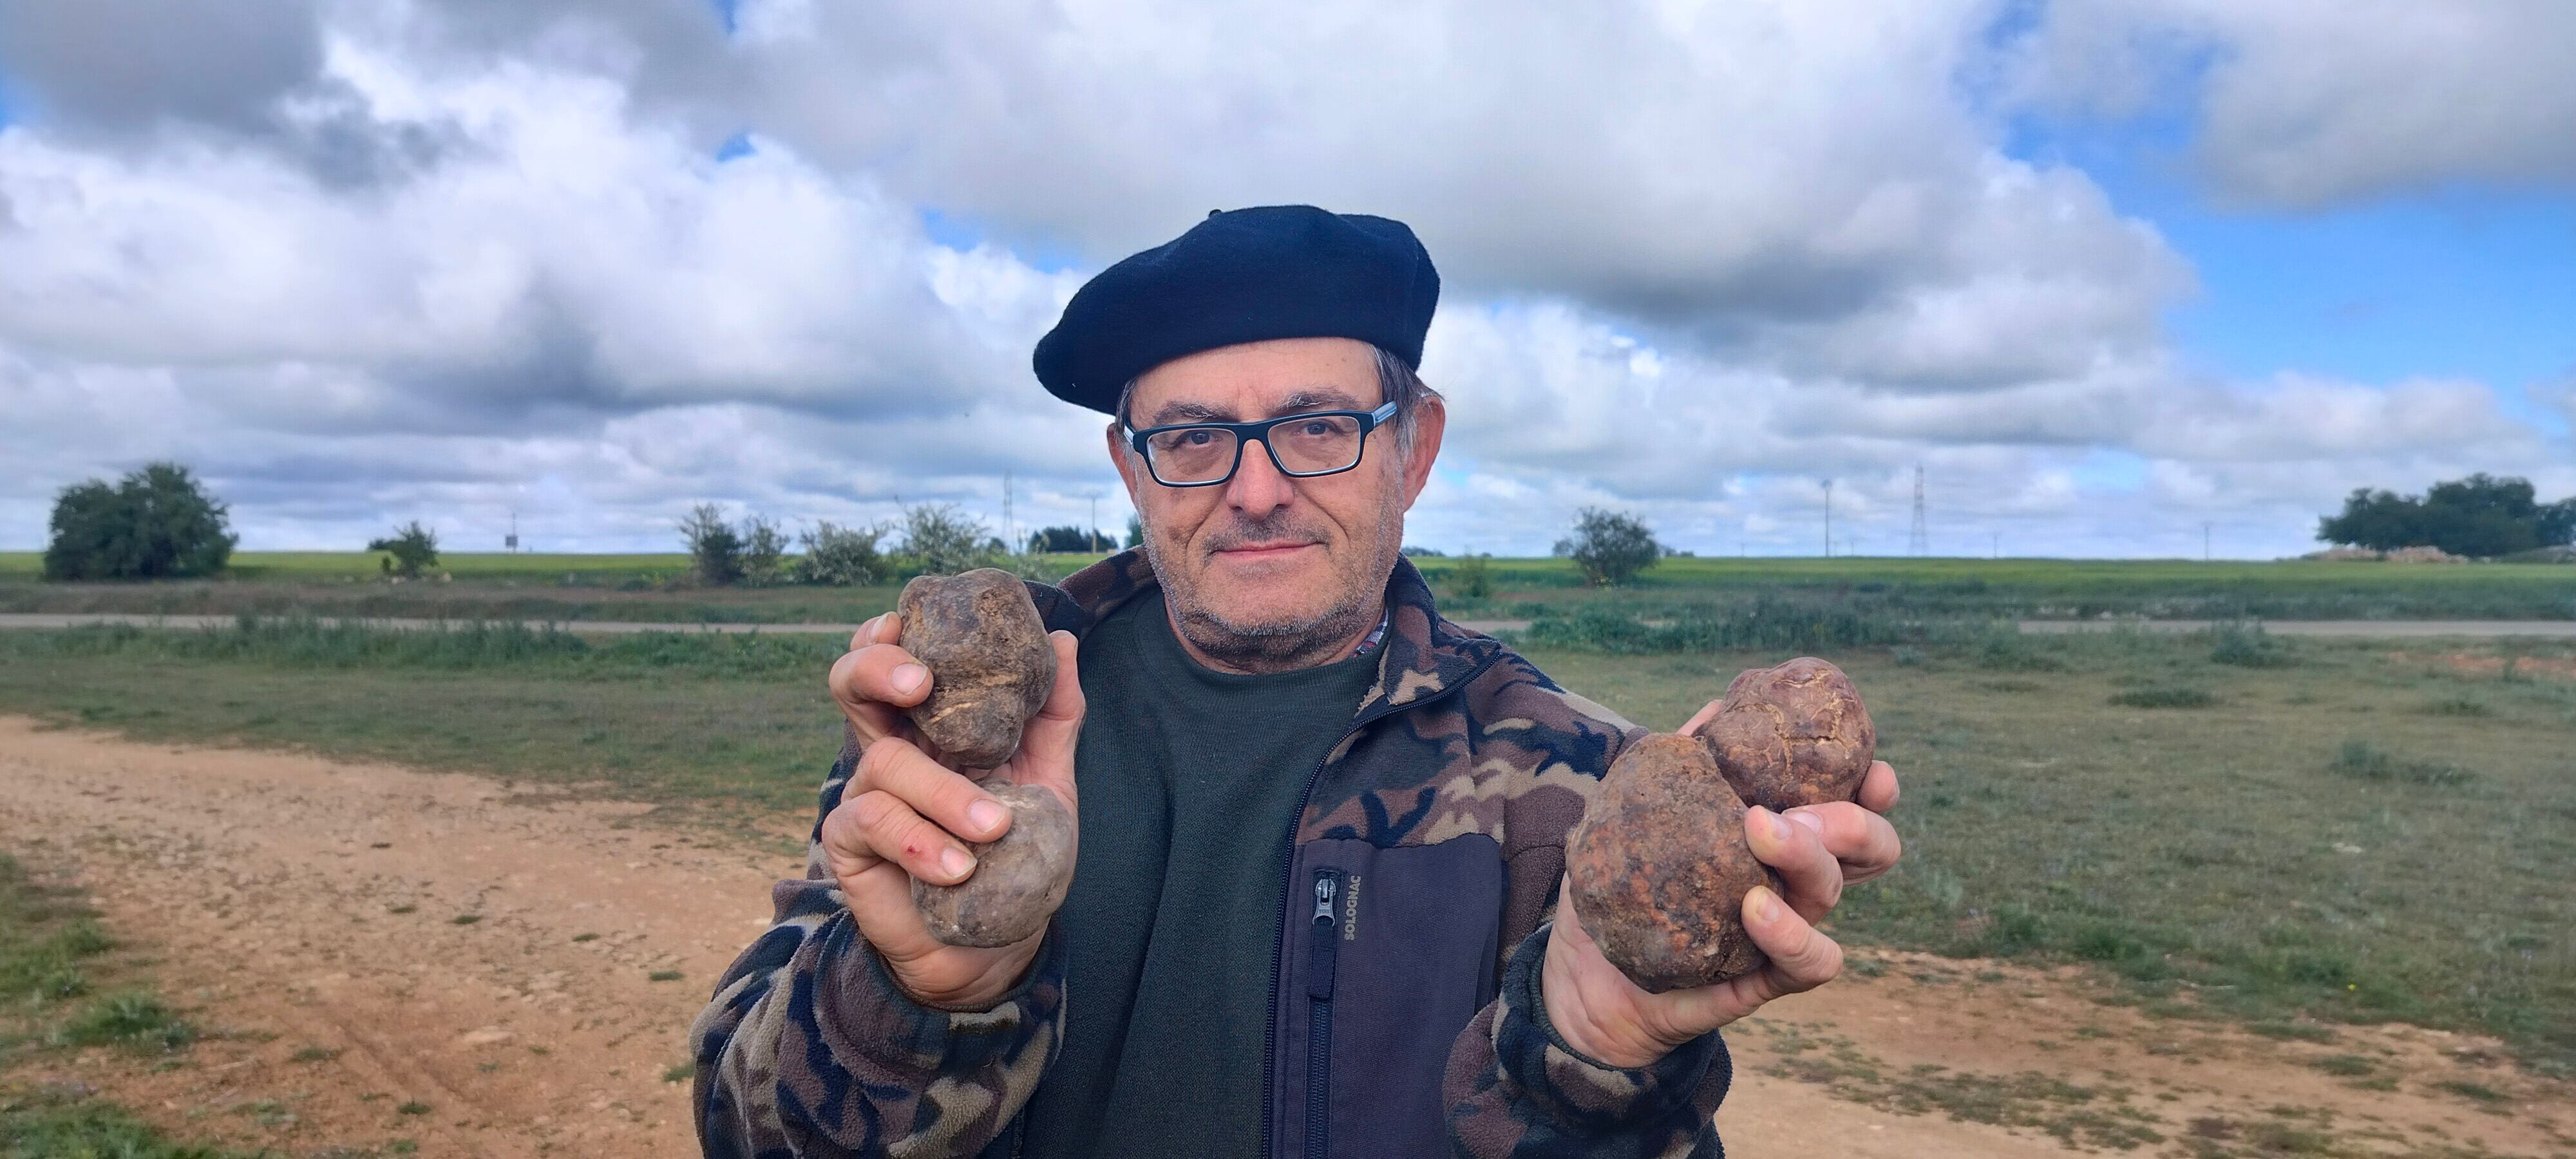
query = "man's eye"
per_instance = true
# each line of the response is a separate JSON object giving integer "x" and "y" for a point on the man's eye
{"x": 1199, "y": 438}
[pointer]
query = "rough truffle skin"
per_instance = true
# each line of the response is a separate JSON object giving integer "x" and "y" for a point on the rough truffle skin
{"x": 1018, "y": 882}
{"x": 1659, "y": 867}
{"x": 990, "y": 663}
{"x": 1792, "y": 735}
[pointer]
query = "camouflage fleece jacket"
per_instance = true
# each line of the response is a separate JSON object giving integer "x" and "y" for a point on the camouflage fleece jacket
{"x": 1405, "y": 1019}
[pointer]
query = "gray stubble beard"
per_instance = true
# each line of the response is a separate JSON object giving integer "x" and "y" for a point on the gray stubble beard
{"x": 1286, "y": 647}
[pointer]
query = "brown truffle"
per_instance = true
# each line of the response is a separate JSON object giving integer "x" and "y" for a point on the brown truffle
{"x": 1792, "y": 735}
{"x": 1018, "y": 881}
{"x": 990, "y": 663}
{"x": 1659, "y": 867}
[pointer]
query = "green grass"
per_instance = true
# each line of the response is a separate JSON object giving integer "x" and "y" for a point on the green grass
{"x": 2169, "y": 697}
{"x": 2227, "y": 861}
{"x": 54, "y": 1126}
{"x": 709, "y": 720}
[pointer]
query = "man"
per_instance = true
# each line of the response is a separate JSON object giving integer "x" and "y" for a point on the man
{"x": 1321, "y": 830}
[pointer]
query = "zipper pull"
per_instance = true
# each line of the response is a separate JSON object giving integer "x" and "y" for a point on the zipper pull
{"x": 1323, "y": 947}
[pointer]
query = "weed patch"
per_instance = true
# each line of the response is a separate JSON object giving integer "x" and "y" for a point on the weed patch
{"x": 2163, "y": 698}
{"x": 2246, "y": 647}
{"x": 2362, "y": 760}
{"x": 134, "y": 1019}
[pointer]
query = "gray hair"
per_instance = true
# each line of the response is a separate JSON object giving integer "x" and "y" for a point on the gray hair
{"x": 1396, "y": 383}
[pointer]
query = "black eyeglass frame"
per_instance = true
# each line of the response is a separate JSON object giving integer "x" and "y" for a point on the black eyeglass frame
{"x": 1259, "y": 432}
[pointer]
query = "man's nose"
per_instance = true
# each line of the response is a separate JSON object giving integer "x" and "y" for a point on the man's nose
{"x": 1258, "y": 488}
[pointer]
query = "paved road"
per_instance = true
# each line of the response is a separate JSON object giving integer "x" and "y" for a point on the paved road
{"x": 2488, "y": 629}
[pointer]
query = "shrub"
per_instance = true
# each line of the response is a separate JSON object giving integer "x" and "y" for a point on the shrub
{"x": 841, "y": 556}
{"x": 715, "y": 550}
{"x": 154, "y": 523}
{"x": 1471, "y": 579}
{"x": 943, "y": 540}
{"x": 1611, "y": 547}
{"x": 410, "y": 550}
{"x": 1135, "y": 531}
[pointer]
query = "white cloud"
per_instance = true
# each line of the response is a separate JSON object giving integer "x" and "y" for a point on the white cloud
{"x": 2306, "y": 102}
{"x": 443, "y": 260}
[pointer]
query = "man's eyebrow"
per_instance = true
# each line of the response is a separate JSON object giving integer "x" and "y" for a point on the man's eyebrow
{"x": 1320, "y": 398}
{"x": 1316, "y": 398}
{"x": 1188, "y": 412}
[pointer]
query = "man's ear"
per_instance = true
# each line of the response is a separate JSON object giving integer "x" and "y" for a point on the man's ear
{"x": 1121, "y": 459}
{"x": 1430, "y": 421}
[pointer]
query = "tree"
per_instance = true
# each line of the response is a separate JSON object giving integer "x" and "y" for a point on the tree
{"x": 841, "y": 556}
{"x": 2476, "y": 516}
{"x": 1610, "y": 546}
{"x": 715, "y": 549}
{"x": 764, "y": 544}
{"x": 1060, "y": 539}
{"x": 943, "y": 540}
{"x": 1135, "y": 531}
{"x": 410, "y": 550}
{"x": 154, "y": 523}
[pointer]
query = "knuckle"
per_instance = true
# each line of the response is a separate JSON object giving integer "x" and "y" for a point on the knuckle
{"x": 877, "y": 812}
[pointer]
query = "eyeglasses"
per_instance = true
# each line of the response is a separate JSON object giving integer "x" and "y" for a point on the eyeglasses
{"x": 1324, "y": 442}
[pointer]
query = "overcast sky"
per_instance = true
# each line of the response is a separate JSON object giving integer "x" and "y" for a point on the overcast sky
{"x": 2108, "y": 272}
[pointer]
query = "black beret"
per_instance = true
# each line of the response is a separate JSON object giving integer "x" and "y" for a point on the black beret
{"x": 1275, "y": 271}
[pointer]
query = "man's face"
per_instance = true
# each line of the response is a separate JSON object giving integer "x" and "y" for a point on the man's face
{"x": 1263, "y": 567}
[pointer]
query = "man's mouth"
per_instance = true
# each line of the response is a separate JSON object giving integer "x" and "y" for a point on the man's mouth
{"x": 1253, "y": 552}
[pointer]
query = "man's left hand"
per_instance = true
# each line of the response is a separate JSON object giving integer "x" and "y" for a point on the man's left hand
{"x": 1817, "y": 849}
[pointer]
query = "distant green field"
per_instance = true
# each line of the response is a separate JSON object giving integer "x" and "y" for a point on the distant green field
{"x": 657, "y": 587}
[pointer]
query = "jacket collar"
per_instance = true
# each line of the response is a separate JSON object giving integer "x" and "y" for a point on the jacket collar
{"x": 1421, "y": 656}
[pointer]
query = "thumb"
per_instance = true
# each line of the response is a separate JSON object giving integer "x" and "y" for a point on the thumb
{"x": 1046, "y": 748}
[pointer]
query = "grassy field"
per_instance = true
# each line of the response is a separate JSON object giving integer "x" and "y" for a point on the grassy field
{"x": 656, "y": 587}
{"x": 2295, "y": 833}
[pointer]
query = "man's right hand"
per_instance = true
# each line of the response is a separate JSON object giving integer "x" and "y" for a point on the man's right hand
{"x": 904, "y": 811}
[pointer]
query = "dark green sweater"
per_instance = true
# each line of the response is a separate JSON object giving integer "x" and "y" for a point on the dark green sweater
{"x": 1189, "y": 782}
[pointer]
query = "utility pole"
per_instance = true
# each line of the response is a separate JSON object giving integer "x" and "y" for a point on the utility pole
{"x": 1920, "y": 541}
{"x": 1095, "y": 520}
{"x": 1829, "y": 519}
{"x": 1998, "y": 552}
{"x": 1010, "y": 541}
{"x": 512, "y": 543}
{"x": 2204, "y": 541}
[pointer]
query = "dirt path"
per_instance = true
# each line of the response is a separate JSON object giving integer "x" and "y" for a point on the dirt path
{"x": 314, "y": 912}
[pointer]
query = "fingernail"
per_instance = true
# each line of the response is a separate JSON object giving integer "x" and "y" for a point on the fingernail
{"x": 909, "y": 676}
{"x": 1814, "y": 824}
{"x": 957, "y": 863}
{"x": 1767, "y": 821}
{"x": 1766, "y": 905}
{"x": 985, "y": 816}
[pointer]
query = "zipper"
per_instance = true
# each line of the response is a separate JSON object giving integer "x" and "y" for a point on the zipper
{"x": 1288, "y": 885}
{"x": 1321, "y": 956}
